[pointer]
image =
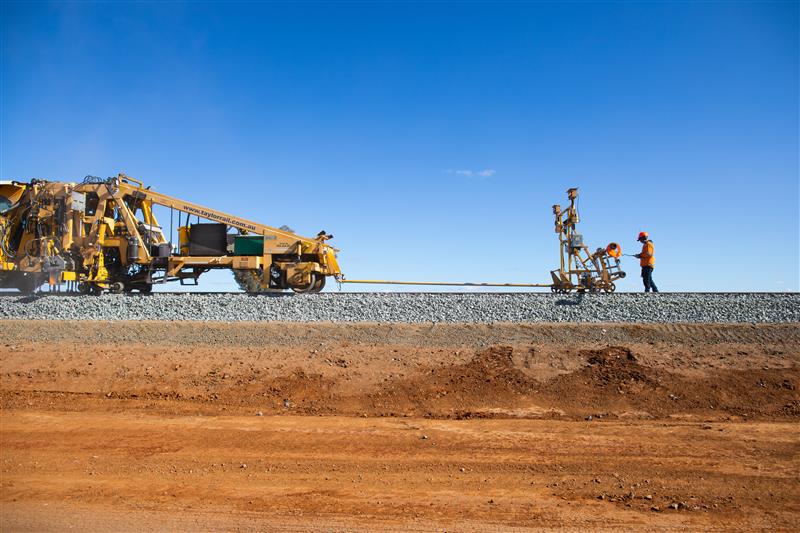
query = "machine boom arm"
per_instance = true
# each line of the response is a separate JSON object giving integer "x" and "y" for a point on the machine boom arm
{"x": 126, "y": 186}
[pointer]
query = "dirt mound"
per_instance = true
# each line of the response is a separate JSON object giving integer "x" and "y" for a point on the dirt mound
{"x": 614, "y": 383}
{"x": 490, "y": 379}
{"x": 616, "y": 366}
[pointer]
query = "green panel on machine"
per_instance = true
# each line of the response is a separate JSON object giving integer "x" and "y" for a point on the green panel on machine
{"x": 248, "y": 245}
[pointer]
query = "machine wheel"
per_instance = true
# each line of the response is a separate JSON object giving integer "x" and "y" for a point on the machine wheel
{"x": 316, "y": 285}
{"x": 28, "y": 283}
{"x": 86, "y": 287}
{"x": 560, "y": 289}
{"x": 248, "y": 280}
{"x": 117, "y": 287}
{"x": 320, "y": 283}
{"x": 146, "y": 288}
{"x": 610, "y": 288}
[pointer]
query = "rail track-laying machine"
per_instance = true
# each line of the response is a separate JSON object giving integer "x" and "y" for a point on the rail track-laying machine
{"x": 102, "y": 235}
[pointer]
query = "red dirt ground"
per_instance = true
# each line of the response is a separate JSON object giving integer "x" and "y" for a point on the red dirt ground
{"x": 177, "y": 426}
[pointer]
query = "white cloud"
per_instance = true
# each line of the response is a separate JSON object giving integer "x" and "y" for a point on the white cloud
{"x": 468, "y": 173}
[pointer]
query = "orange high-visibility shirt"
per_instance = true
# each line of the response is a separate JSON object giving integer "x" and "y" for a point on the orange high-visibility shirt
{"x": 647, "y": 257}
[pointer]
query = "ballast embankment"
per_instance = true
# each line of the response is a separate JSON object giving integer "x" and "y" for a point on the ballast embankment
{"x": 481, "y": 308}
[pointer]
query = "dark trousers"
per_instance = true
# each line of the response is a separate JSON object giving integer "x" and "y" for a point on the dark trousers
{"x": 647, "y": 278}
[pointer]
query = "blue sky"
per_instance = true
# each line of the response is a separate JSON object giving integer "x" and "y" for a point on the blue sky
{"x": 432, "y": 138}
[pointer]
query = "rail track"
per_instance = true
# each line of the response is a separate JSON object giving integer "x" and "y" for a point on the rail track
{"x": 13, "y": 293}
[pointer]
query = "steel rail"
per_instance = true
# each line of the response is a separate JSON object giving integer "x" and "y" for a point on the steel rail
{"x": 440, "y": 283}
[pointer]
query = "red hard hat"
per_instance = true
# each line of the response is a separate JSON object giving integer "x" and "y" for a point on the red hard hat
{"x": 642, "y": 235}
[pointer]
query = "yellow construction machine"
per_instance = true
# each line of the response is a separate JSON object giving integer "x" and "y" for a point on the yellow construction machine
{"x": 102, "y": 235}
{"x": 580, "y": 269}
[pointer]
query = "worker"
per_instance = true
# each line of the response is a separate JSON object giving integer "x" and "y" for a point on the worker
{"x": 647, "y": 260}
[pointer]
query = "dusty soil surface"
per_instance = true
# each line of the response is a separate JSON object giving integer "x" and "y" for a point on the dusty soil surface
{"x": 176, "y": 426}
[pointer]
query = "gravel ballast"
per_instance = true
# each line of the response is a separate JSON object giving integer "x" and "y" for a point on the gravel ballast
{"x": 482, "y": 308}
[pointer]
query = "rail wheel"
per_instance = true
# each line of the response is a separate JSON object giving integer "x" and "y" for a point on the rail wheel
{"x": 560, "y": 289}
{"x": 27, "y": 283}
{"x": 86, "y": 287}
{"x": 248, "y": 280}
{"x": 117, "y": 287}
{"x": 316, "y": 285}
{"x": 610, "y": 288}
